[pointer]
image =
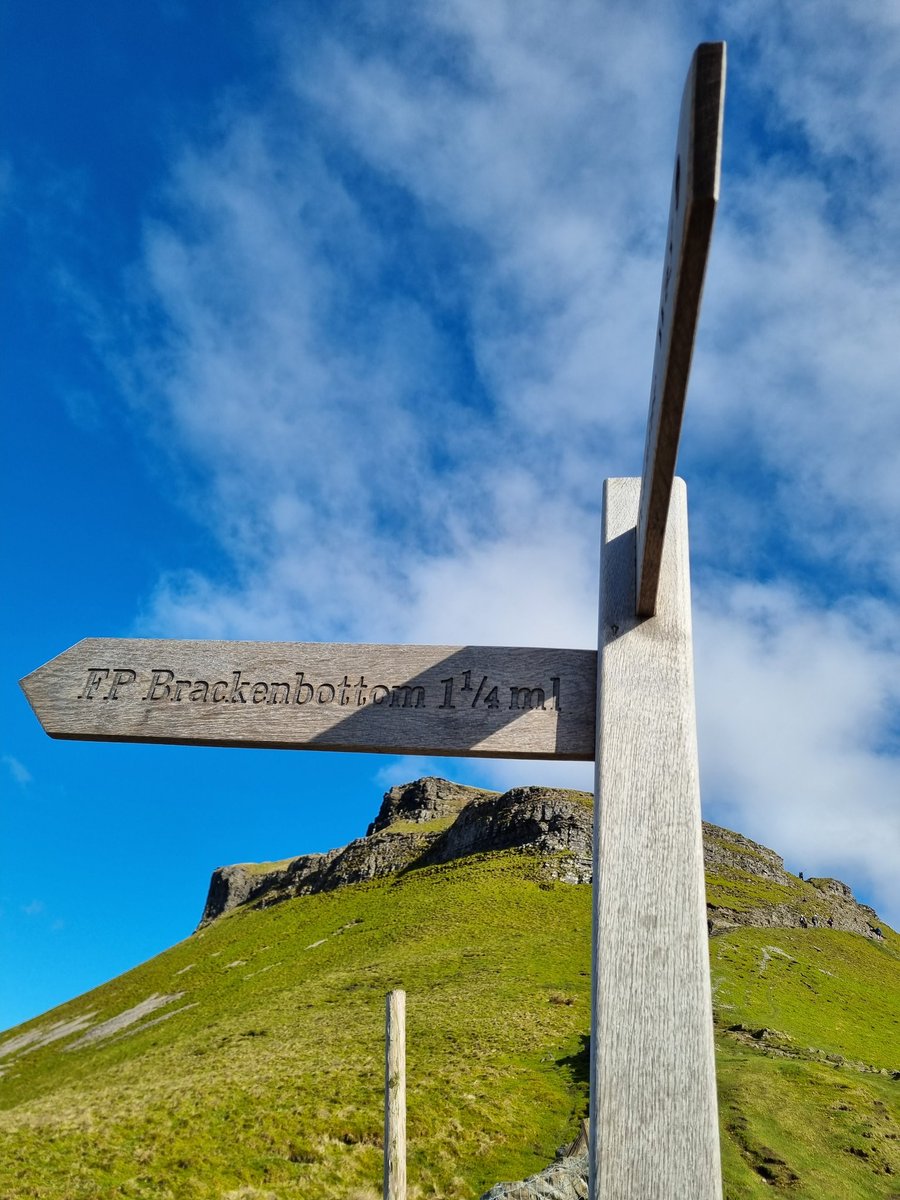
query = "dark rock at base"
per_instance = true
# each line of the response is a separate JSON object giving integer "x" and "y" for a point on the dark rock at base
{"x": 563, "y": 1180}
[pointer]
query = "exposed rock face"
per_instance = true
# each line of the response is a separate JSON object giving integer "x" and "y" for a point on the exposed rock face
{"x": 432, "y": 821}
{"x": 428, "y": 799}
{"x": 371, "y": 857}
{"x": 427, "y": 821}
{"x": 724, "y": 849}
{"x": 547, "y": 821}
{"x": 813, "y": 903}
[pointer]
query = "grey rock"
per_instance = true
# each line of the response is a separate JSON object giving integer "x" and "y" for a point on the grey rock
{"x": 428, "y": 799}
{"x": 547, "y": 821}
{"x": 563, "y": 1180}
{"x": 724, "y": 849}
{"x": 431, "y": 821}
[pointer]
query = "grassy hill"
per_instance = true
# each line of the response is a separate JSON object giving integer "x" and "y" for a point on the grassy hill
{"x": 246, "y": 1062}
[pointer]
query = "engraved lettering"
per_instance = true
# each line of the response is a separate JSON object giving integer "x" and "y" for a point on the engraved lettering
{"x": 274, "y": 692}
{"x": 467, "y": 686}
{"x": 480, "y": 687}
{"x": 200, "y": 691}
{"x": 260, "y": 691}
{"x": 121, "y": 678}
{"x": 218, "y": 695}
{"x": 554, "y": 683}
{"x": 180, "y": 685}
{"x": 325, "y": 694}
{"x": 406, "y": 689}
{"x": 492, "y": 699}
{"x": 385, "y": 692}
{"x": 344, "y": 698}
{"x": 361, "y": 695}
{"x": 301, "y": 688}
{"x": 237, "y": 689}
{"x": 96, "y": 675}
{"x": 524, "y": 697}
{"x": 448, "y": 693}
{"x": 159, "y": 687}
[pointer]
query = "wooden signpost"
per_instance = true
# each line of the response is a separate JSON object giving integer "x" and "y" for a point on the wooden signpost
{"x": 629, "y": 706}
{"x": 654, "y": 1126}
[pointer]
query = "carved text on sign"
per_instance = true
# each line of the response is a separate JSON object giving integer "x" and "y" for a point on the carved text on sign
{"x": 485, "y": 701}
{"x": 162, "y": 684}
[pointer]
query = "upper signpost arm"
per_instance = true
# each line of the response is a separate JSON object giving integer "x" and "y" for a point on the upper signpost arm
{"x": 695, "y": 192}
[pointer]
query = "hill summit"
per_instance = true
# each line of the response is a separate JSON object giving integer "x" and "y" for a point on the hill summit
{"x": 432, "y": 820}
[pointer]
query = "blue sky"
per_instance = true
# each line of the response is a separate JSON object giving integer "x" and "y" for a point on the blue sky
{"x": 327, "y": 322}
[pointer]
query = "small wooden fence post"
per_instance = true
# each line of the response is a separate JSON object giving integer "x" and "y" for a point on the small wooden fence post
{"x": 395, "y": 1097}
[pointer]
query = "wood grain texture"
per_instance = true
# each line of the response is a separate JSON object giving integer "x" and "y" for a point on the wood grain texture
{"x": 395, "y": 1096}
{"x": 455, "y": 700}
{"x": 695, "y": 193}
{"x": 653, "y": 1085}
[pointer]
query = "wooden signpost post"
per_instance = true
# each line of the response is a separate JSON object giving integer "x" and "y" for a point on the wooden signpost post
{"x": 629, "y": 706}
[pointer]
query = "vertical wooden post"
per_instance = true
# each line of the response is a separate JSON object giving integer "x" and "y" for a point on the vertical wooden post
{"x": 654, "y": 1128}
{"x": 395, "y": 1097}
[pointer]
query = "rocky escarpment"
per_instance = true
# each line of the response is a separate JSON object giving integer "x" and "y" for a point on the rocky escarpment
{"x": 432, "y": 820}
{"x": 746, "y": 884}
{"x": 421, "y": 823}
{"x": 551, "y": 822}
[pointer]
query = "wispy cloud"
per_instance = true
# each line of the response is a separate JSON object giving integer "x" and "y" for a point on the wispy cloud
{"x": 17, "y": 770}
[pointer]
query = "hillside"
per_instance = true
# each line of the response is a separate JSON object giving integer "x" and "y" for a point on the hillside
{"x": 246, "y": 1061}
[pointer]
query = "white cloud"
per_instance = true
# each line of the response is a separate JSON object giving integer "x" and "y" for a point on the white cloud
{"x": 798, "y": 735}
{"x": 393, "y": 329}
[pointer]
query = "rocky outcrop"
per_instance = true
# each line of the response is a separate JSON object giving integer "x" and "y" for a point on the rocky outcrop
{"x": 432, "y": 821}
{"x": 785, "y": 901}
{"x": 425, "y": 822}
{"x": 371, "y": 857}
{"x": 725, "y": 852}
{"x": 423, "y": 800}
{"x": 546, "y": 821}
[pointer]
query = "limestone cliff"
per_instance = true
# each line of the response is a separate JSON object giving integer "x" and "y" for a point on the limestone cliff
{"x": 433, "y": 821}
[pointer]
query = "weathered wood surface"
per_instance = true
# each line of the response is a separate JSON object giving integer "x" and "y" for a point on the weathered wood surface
{"x": 438, "y": 700}
{"x": 395, "y": 1096}
{"x": 695, "y": 193}
{"x": 653, "y": 1086}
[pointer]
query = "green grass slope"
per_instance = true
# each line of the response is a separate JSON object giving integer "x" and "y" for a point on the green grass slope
{"x": 255, "y": 1070}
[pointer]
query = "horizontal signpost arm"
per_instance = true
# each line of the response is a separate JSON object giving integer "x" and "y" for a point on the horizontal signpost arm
{"x": 466, "y": 701}
{"x": 695, "y": 193}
